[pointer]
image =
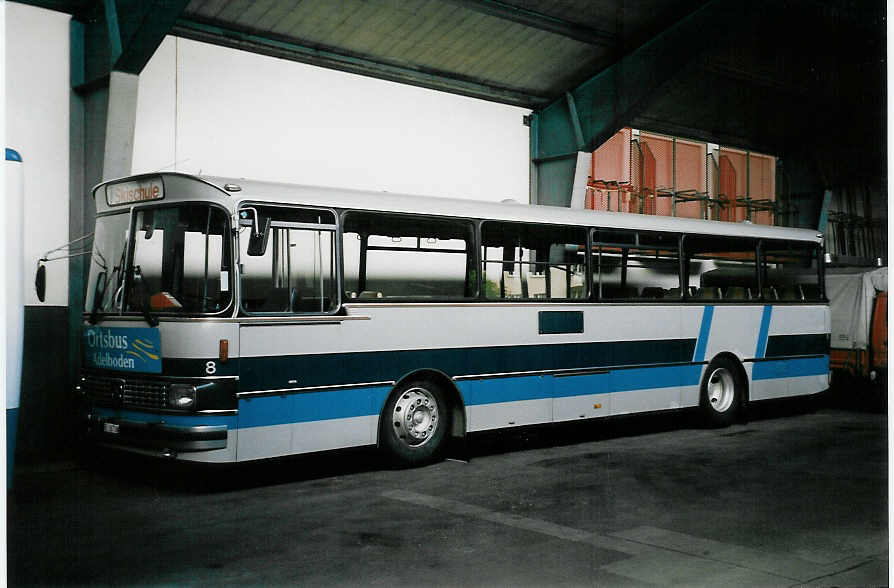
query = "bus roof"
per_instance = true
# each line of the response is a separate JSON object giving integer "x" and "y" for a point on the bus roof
{"x": 282, "y": 193}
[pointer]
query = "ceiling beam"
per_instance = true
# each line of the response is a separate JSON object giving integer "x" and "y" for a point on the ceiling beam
{"x": 314, "y": 54}
{"x": 538, "y": 20}
{"x": 143, "y": 25}
{"x": 122, "y": 36}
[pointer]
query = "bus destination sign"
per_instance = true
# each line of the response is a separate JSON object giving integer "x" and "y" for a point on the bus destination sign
{"x": 135, "y": 191}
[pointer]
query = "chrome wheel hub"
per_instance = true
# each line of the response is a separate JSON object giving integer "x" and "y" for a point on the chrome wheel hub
{"x": 721, "y": 389}
{"x": 415, "y": 417}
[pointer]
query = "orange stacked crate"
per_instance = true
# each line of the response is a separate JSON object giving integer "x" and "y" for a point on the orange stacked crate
{"x": 727, "y": 191}
{"x": 610, "y": 173}
{"x": 762, "y": 187}
{"x": 737, "y": 190}
{"x": 691, "y": 178}
{"x": 662, "y": 149}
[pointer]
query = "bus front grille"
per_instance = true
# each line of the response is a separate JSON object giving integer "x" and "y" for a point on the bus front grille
{"x": 104, "y": 390}
{"x": 144, "y": 393}
{"x": 128, "y": 392}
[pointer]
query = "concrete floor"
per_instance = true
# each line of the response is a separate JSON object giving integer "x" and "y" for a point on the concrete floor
{"x": 789, "y": 498}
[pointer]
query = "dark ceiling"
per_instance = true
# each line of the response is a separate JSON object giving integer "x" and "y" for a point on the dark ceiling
{"x": 800, "y": 79}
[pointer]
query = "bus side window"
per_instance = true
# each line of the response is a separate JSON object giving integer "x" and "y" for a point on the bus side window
{"x": 791, "y": 269}
{"x": 398, "y": 257}
{"x": 525, "y": 261}
{"x": 635, "y": 265}
{"x": 723, "y": 268}
{"x": 297, "y": 272}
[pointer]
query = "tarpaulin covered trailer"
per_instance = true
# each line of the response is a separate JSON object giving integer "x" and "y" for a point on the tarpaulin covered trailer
{"x": 858, "y": 303}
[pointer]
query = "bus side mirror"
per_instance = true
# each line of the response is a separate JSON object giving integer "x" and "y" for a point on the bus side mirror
{"x": 40, "y": 281}
{"x": 257, "y": 242}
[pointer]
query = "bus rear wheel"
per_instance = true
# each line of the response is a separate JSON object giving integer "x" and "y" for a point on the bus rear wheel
{"x": 721, "y": 392}
{"x": 414, "y": 424}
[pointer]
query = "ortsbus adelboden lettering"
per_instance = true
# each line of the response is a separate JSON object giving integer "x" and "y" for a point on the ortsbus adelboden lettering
{"x": 107, "y": 360}
{"x": 106, "y": 340}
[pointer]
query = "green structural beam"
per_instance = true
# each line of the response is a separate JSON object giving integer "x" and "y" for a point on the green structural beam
{"x": 588, "y": 115}
{"x": 112, "y": 29}
{"x": 119, "y": 35}
{"x": 539, "y": 20}
{"x": 144, "y": 25}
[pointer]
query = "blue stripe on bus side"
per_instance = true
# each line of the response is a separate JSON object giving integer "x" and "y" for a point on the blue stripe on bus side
{"x": 316, "y": 406}
{"x": 790, "y": 368}
{"x": 264, "y": 411}
{"x": 764, "y": 332}
{"x": 512, "y": 389}
{"x": 704, "y": 332}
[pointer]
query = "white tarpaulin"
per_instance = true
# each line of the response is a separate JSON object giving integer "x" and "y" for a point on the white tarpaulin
{"x": 851, "y": 294}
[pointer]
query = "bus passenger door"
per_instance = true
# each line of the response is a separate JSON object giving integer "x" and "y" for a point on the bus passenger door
{"x": 636, "y": 278}
{"x": 294, "y": 396}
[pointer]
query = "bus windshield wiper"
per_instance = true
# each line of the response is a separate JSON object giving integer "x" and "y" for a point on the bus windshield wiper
{"x": 99, "y": 292}
{"x": 139, "y": 291}
{"x": 102, "y": 285}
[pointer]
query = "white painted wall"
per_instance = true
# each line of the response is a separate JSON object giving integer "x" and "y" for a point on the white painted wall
{"x": 37, "y": 119}
{"x": 226, "y": 112}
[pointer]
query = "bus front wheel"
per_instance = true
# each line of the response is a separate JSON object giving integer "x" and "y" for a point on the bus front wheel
{"x": 414, "y": 425}
{"x": 721, "y": 392}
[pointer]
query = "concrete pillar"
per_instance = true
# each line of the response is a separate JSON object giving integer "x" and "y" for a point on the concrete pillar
{"x": 120, "y": 124}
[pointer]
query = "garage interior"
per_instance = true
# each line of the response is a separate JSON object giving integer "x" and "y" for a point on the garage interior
{"x": 794, "y": 496}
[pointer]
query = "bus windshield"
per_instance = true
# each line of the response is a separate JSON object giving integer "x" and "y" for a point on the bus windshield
{"x": 178, "y": 262}
{"x": 107, "y": 267}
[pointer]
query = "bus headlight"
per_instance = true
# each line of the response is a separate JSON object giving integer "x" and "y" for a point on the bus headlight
{"x": 181, "y": 396}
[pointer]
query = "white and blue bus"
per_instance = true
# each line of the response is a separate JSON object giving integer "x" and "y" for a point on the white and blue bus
{"x": 229, "y": 320}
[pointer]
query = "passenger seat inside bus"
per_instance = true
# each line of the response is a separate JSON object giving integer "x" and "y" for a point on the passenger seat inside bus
{"x": 617, "y": 292}
{"x": 793, "y": 292}
{"x": 708, "y": 293}
{"x": 737, "y": 293}
{"x": 809, "y": 291}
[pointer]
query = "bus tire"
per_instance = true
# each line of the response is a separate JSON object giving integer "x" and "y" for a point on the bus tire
{"x": 722, "y": 391}
{"x": 415, "y": 423}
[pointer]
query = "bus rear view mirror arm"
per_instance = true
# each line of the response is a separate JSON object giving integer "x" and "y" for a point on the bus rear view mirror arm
{"x": 257, "y": 240}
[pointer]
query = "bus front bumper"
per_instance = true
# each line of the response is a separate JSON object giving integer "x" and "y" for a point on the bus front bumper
{"x": 157, "y": 436}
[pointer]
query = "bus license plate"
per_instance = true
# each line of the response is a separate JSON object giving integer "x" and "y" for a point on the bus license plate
{"x": 110, "y": 428}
